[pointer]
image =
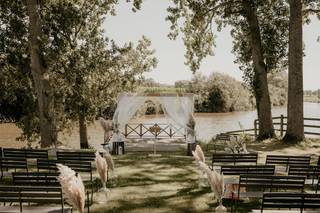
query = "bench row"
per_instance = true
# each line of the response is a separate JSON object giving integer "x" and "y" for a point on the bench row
{"x": 35, "y": 194}
{"x": 44, "y": 154}
{"x": 222, "y": 158}
{"x": 256, "y": 186}
{"x": 7, "y": 164}
{"x": 289, "y": 202}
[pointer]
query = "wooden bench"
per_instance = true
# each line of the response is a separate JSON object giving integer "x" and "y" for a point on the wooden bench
{"x": 309, "y": 171}
{"x": 35, "y": 194}
{"x": 25, "y": 153}
{"x": 77, "y": 166}
{"x": 247, "y": 169}
{"x": 35, "y": 178}
{"x": 270, "y": 183}
{"x": 318, "y": 185}
{"x": 287, "y": 160}
{"x": 256, "y": 185}
{"x": 78, "y": 155}
{"x": 222, "y": 158}
{"x": 290, "y": 201}
{"x": 7, "y": 163}
{"x": 31, "y": 194}
{"x": 51, "y": 165}
{"x": 225, "y": 137}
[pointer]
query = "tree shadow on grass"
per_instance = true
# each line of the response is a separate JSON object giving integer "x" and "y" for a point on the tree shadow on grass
{"x": 165, "y": 184}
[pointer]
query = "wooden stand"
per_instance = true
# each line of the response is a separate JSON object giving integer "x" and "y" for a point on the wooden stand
{"x": 118, "y": 148}
{"x": 154, "y": 151}
{"x": 191, "y": 147}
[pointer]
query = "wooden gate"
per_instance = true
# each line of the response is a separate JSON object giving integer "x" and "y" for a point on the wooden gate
{"x": 148, "y": 130}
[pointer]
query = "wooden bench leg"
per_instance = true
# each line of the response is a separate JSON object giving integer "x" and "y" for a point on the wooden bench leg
{"x": 88, "y": 201}
{"x": 20, "y": 202}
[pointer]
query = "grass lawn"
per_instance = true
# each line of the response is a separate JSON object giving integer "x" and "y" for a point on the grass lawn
{"x": 170, "y": 183}
{"x": 157, "y": 184}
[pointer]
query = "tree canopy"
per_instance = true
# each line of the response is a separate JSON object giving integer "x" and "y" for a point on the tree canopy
{"x": 85, "y": 70}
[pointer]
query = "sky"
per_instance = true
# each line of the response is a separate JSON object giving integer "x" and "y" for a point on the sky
{"x": 150, "y": 21}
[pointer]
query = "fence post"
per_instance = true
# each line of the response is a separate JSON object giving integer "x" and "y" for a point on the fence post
{"x": 126, "y": 130}
{"x": 256, "y": 128}
{"x": 140, "y": 133}
{"x": 281, "y": 125}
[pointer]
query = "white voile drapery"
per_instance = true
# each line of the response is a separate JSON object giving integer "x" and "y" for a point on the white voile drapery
{"x": 127, "y": 106}
{"x": 180, "y": 110}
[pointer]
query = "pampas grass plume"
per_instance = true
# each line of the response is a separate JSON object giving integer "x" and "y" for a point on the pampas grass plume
{"x": 215, "y": 180}
{"x": 198, "y": 154}
{"x": 105, "y": 124}
{"x": 109, "y": 160}
{"x": 72, "y": 187}
{"x": 196, "y": 157}
{"x": 102, "y": 168}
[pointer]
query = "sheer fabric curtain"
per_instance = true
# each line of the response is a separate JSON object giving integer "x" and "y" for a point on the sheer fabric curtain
{"x": 127, "y": 106}
{"x": 180, "y": 110}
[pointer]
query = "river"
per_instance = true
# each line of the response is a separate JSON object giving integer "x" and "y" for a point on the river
{"x": 207, "y": 125}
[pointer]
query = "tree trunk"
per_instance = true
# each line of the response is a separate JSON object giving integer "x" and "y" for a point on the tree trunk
{"x": 260, "y": 82}
{"x": 48, "y": 131}
{"x": 83, "y": 132}
{"x": 295, "y": 124}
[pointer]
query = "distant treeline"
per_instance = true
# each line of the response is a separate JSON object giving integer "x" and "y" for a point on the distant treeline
{"x": 223, "y": 93}
{"x": 312, "y": 96}
{"x": 312, "y": 93}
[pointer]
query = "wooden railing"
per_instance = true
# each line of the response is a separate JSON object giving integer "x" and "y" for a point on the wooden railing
{"x": 154, "y": 130}
{"x": 280, "y": 124}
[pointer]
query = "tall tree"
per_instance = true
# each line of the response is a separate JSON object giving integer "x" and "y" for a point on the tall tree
{"x": 295, "y": 121}
{"x": 258, "y": 30}
{"x": 260, "y": 81}
{"x": 40, "y": 77}
{"x": 95, "y": 70}
{"x": 295, "y": 124}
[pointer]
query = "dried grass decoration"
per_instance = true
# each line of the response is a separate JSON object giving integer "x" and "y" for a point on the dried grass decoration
{"x": 102, "y": 168}
{"x": 109, "y": 160}
{"x": 198, "y": 154}
{"x": 107, "y": 128}
{"x": 199, "y": 157}
{"x": 72, "y": 187}
{"x": 216, "y": 182}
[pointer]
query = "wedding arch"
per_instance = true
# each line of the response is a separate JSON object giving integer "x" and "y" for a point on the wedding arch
{"x": 178, "y": 107}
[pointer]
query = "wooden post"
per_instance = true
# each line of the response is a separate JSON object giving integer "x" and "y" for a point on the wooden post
{"x": 126, "y": 130}
{"x": 256, "y": 128}
{"x": 191, "y": 147}
{"x": 281, "y": 125}
{"x": 140, "y": 130}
